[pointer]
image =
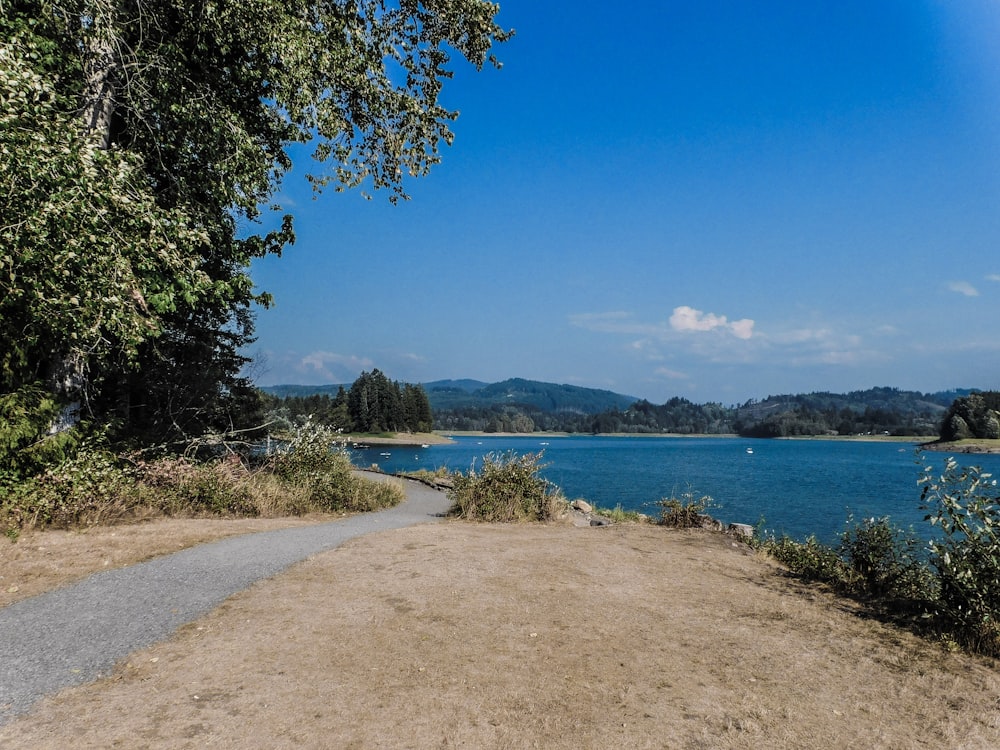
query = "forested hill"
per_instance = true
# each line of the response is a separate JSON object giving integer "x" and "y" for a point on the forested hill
{"x": 548, "y": 397}
{"x": 446, "y": 395}
{"x": 519, "y": 405}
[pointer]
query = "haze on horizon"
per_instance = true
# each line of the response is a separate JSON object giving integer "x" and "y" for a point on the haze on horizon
{"x": 719, "y": 201}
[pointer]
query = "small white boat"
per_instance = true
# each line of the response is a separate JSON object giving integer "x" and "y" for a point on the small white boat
{"x": 750, "y": 451}
{"x": 385, "y": 454}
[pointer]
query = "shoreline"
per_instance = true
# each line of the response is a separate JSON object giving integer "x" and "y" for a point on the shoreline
{"x": 922, "y": 442}
{"x": 399, "y": 438}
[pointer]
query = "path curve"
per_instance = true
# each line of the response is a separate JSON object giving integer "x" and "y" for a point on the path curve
{"x": 78, "y": 633}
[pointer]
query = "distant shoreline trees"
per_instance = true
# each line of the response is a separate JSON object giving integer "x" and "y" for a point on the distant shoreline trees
{"x": 974, "y": 416}
{"x": 875, "y": 411}
{"x": 372, "y": 404}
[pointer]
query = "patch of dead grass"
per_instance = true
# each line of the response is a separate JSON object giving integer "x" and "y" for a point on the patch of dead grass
{"x": 531, "y": 636}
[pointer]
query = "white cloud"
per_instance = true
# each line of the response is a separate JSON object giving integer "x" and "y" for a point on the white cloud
{"x": 686, "y": 318}
{"x": 963, "y": 287}
{"x": 993, "y": 277}
{"x": 334, "y": 366}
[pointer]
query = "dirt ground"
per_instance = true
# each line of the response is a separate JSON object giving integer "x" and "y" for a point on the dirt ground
{"x": 531, "y": 636}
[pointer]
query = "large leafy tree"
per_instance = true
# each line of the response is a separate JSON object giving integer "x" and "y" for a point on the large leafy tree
{"x": 140, "y": 141}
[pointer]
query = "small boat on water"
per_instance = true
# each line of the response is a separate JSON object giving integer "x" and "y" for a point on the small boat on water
{"x": 750, "y": 451}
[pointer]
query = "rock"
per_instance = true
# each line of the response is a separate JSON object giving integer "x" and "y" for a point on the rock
{"x": 743, "y": 530}
{"x": 583, "y": 506}
{"x": 707, "y": 522}
{"x": 599, "y": 521}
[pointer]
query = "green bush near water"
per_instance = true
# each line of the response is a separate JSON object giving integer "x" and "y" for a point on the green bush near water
{"x": 507, "y": 488}
{"x": 685, "y": 512}
{"x": 964, "y": 504}
{"x": 949, "y": 585}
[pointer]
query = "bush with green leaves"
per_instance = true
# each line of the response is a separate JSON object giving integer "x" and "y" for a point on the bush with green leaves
{"x": 811, "y": 559}
{"x": 888, "y": 565}
{"x": 312, "y": 450}
{"x": 963, "y": 503}
{"x": 508, "y": 488}
{"x": 93, "y": 486}
{"x": 685, "y": 512}
{"x": 314, "y": 461}
{"x": 98, "y": 486}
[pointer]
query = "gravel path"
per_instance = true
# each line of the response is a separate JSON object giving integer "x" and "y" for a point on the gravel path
{"x": 77, "y": 634}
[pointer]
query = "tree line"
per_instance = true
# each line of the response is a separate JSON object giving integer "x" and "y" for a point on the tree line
{"x": 874, "y": 411}
{"x": 974, "y": 416}
{"x": 372, "y": 404}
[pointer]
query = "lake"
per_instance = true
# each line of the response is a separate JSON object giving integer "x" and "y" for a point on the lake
{"x": 796, "y": 487}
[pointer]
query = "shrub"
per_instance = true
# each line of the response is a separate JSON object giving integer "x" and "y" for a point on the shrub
{"x": 177, "y": 486}
{"x": 889, "y": 569}
{"x": 685, "y": 512}
{"x": 98, "y": 486}
{"x": 619, "y": 515}
{"x": 811, "y": 560}
{"x": 508, "y": 488}
{"x": 315, "y": 464}
{"x": 962, "y": 502}
{"x": 313, "y": 450}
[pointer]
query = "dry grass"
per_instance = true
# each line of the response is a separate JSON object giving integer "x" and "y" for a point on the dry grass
{"x": 531, "y": 636}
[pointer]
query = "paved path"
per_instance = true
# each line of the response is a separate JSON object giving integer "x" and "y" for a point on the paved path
{"x": 77, "y": 634}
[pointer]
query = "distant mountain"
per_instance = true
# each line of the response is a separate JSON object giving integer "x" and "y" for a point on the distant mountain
{"x": 466, "y": 386}
{"x": 447, "y": 395}
{"x": 300, "y": 391}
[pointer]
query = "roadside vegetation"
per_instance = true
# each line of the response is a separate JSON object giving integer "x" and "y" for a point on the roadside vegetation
{"x": 308, "y": 474}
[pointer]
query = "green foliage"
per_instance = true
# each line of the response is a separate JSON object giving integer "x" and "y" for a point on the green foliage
{"x": 963, "y": 503}
{"x": 888, "y": 565}
{"x": 874, "y": 562}
{"x": 96, "y": 486}
{"x": 976, "y": 415}
{"x": 374, "y": 404}
{"x": 138, "y": 143}
{"x": 25, "y": 448}
{"x": 313, "y": 462}
{"x": 512, "y": 405}
{"x": 619, "y": 515}
{"x": 955, "y": 592}
{"x": 685, "y": 512}
{"x": 811, "y": 560}
{"x": 91, "y": 487}
{"x": 507, "y": 488}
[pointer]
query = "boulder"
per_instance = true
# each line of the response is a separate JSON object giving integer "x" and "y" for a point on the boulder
{"x": 743, "y": 530}
{"x": 583, "y": 506}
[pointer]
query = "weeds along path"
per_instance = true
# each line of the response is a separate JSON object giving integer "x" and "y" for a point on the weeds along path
{"x": 76, "y": 634}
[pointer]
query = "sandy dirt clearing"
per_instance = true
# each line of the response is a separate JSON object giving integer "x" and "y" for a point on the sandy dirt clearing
{"x": 530, "y": 636}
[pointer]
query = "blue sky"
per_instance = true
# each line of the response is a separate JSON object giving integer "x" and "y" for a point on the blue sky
{"x": 714, "y": 200}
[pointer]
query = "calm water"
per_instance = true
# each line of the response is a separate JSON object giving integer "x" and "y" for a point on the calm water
{"x": 798, "y": 487}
